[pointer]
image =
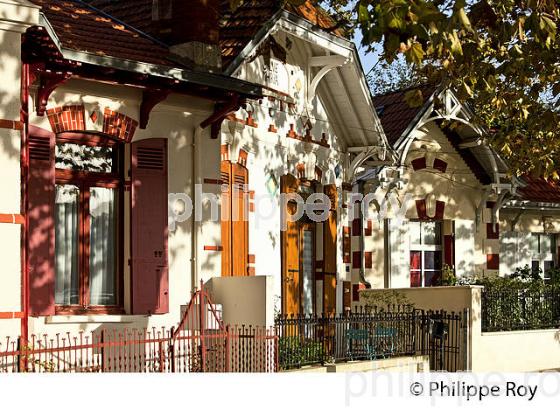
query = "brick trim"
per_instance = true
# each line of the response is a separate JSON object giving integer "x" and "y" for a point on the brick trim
{"x": 212, "y": 248}
{"x": 242, "y": 157}
{"x": 119, "y": 125}
{"x": 67, "y": 118}
{"x": 11, "y": 315}
{"x": 11, "y": 125}
{"x": 15, "y": 219}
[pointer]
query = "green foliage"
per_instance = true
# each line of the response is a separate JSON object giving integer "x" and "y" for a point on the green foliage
{"x": 522, "y": 300}
{"x": 502, "y": 56}
{"x": 384, "y": 299}
{"x": 448, "y": 277}
{"x": 296, "y": 351}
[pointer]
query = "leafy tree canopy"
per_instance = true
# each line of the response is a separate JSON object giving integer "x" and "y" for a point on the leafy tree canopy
{"x": 502, "y": 56}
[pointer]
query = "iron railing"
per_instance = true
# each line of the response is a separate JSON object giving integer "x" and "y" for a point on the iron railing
{"x": 237, "y": 349}
{"x": 521, "y": 309}
{"x": 372, "y": 334}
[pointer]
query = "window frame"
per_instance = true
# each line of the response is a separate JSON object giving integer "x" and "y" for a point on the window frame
{"x": 85, "y": 180}
{"x": 542, "y": 257}
{"x": 423, "y": 248}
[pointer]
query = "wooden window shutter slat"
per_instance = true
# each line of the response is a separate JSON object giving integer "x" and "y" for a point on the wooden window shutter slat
{"x": 150, "y": 268}
{"x": 240, "y": 220}
{"x": 226, "y": 219}
{"x": 41, "y": 239}
{"x": 290, "y": 254}
{"x": 330, "y": 232}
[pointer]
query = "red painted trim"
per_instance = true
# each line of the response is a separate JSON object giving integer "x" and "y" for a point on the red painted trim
{"x": 251, "y": 259}
{"x": 356, "y": 291}
{"x": 212, "y": 248}
{"x": 368, "y": 260}
{"x": 150, "y": 98}
{"x": 15, "y": 219}
{"x": 492, "y": 231}
{"x": 85, "y": 181}
{"x": 24, "y": 117}
{"x": 11, "y": 125}
{"x": 369, "y": 228}
{"x": 448, "y": 258}
{"x": 272, "y": 128}
{"x": 48, "y": 82}
{"x": 419, "y": 163}
{"x": 493, "y": 261}
{"x": 421, "y": 209}
{"x": 292, "y": 133}
{"x": 440, "y": 165}
{"x": 356, "y": 260}
{"x": 440, "y": 210}
{"x": 356, "y": 227}
{"x": 251, "y": 121}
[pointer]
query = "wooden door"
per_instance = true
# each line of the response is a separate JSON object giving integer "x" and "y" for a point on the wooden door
{"x": 329, "y": 290}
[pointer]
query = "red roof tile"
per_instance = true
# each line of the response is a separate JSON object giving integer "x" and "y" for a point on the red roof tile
{"x": 80, "y": 28}
{"x": 540, "y": 190}
{"x": 237, "y": 29}
{"x": 394, "y": 112}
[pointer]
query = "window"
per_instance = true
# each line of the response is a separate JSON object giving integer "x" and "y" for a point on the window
{"x": 88, "y": 215}
{"x": 425, "y": 253}
{"x": 543, "y": 252}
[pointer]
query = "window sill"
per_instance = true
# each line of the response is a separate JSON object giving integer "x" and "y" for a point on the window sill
{"x": 68, "y": 319}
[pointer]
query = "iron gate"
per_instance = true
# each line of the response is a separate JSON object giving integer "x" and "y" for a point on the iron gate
{"x": 443, "y": 337}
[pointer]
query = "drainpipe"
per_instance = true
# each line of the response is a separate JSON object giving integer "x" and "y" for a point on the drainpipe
{"x": 362, "y": 238}
{"x": 24, "y": 116}
{"x": 196, "y": 225}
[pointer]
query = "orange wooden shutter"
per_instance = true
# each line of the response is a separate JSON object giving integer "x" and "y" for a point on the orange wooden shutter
{"x": 329, "y": 253}
{"x": 240, "y": 220}
{"x": 329, "y": 236}
{"x": 226, "y": 219}
{"x": 290, "y": 254}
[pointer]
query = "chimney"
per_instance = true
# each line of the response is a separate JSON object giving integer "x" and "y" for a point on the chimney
{"x": 193, "y": 29}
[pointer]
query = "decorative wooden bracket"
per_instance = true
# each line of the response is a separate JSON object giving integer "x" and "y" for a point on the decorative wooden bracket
{"x": 220, "y": 113}
{"x": 150, "y": 98}
{"x": 48, "y": 81}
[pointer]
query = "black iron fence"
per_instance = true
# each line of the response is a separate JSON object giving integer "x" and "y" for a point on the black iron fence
{"x": 370, "y": 335}
{"x": 521, "y": 309}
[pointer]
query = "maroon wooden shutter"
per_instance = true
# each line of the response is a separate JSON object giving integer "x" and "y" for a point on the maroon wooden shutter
{"x": 150, "y": 269}
{"x": 41, "y": 222}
